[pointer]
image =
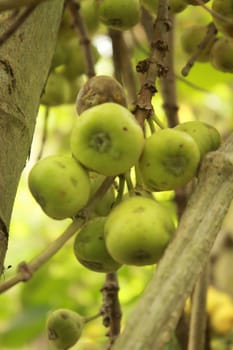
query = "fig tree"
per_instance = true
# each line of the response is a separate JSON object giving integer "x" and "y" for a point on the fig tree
{"x": 222, "y": 55}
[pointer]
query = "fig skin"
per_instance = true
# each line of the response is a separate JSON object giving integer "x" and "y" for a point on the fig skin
{"x": 224, "y": 8}
{"x": 59, "y": 185}
{"x": 138, "y": 230}
{"x": 107, "y": 139}
{"x": 221, "y": 56}
{"x": 64, "y": 328}
{"x": 169, "y": 160}
{"x": 90, "y": 249}
{"x": 119, "y": 14}
{"x": 100, "y": 89}
{"x": 57, "y": 90}
{"x": 206, "y": 136}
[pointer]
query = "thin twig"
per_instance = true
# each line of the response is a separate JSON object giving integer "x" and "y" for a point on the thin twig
{"x": 74, "y": 9}
{"x": 210, "y": 34}
{"x": 16, "y": 24}
{"x": 44, "y": 133}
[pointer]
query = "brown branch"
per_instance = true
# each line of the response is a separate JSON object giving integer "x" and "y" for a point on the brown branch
{"x": 168, "y": 82}
{"x": 197, "y": 333}
{"x": 154, "y": 66}
{"x": 16, "y": 24}
{"x": 210, "y": 34}
{"x": 163, "y": 301}
{"x": 122, "y": 64}
{"x": 111, "y": 309}
{"x": 44, "y": 133}
{"x": 74, "y": 9}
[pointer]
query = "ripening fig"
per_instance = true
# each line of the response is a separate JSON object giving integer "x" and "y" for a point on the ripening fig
{"x": 222, "y": 55}
{"x": 138, "y": 230}
{"x": 169, "y": 160}
{"x": 119, "y": 14}
{"x": 100, "y": 89}
{"x": 107, "y": 139}
{"x": 206, "y": 136}
{"x": 64, "y": 328}
{"x": 57, "y": 90}
{"x": 191, "y": 37}
{"x": 60, "y": 186}
{"x": 90, "y": 249}
{"x": 225, "y": 9}
{"x": 104, "y": 205}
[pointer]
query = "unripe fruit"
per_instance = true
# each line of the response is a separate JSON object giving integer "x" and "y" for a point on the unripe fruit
{"x": 107, "y": 139}
{"x": 119, "y": 14}
{"x": 206, "y": 136}
{"x": 222, "y": 55}
{"x": 60, "y": 186}
{"x": 90, "y": 249}
{"x": 64, "y": 328}
{"x": 224, "y": 8}
{"x": 175, "y": 6}
{"x": 100, "y": 89}
{"x": 104, "y": 205}
{"x": 90, "y": 13}
{"x": 137, "y": 231}
{"x": 169, "y": 160}
{"x": 57, "y": 90}
{"x": 192, "y": 37}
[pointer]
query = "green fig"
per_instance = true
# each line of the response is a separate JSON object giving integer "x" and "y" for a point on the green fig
{"x": 90, "y": 249}
{"x": 90, "y": 13}
{"x": 169, "y": 160}
{"x": 100, "y": 89}
{"x": 57, "y": 90}
{"x": 60, "y": 186}
{"x": 221, "y": 56}
{"x": 107, "y": 139}
{"x": 119, "y": 14}
{"x": 138, "y": 230}
{"x": 64, "y": 328}
{"x": 225, "y": 9}
{"x": 206, "y": 136}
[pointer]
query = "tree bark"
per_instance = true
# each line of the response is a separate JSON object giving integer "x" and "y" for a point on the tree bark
{"x": 156, "y": 314}
{"x": 25, "y": 60}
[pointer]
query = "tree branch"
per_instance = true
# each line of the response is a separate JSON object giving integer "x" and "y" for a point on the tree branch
{"x": 156, "y": 315}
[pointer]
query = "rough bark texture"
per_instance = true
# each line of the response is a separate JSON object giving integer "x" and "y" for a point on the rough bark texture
{"x": 157, "y": 313}
{"x": 24, "y": 65}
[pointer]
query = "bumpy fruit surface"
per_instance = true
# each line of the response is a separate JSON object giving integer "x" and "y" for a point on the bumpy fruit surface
{"x": 64, "y": 328}
{"x": 192, "y": 37}
{"x": 57, "y": 90}
{"x": 119, "y": 14}
{"x": 206, "y": 136}
{"x": 107, "y": 139}
{"x": 137, "y": 231}
{"x": 222, "y": 55}
{"x": 90, "y": 248}
{"x": 104, "y": 205}
{"x": 100, "y": 89}
{"x": 60, "y": 185}
{"x": 169, "y": 160}
{"x": 225, "y": 9}
{"x": 175, "y": 6}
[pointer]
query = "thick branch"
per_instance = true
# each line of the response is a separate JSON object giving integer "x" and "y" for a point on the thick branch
{"x": 156, "y": 315}
{"x": 11, "y": 4}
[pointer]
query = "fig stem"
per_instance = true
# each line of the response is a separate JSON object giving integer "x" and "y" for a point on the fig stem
{"x": 129, "y": 183}
{"x": 120, "y": 190}
{"x": 92, "y": 318}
